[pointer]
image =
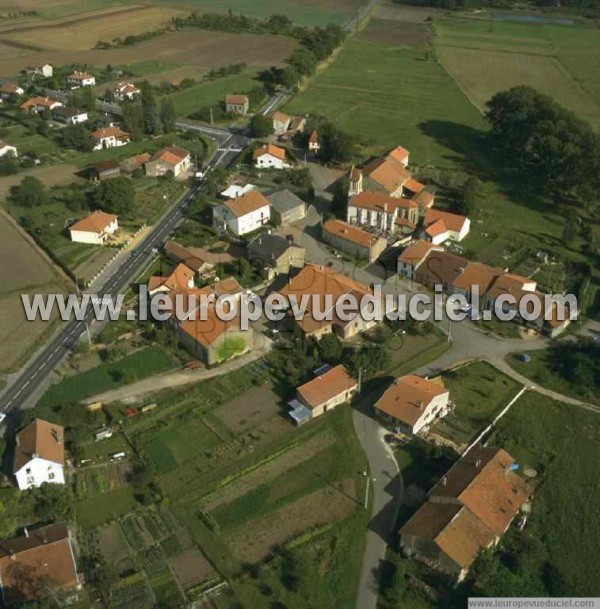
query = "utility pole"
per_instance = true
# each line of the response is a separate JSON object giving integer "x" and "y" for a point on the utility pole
{"x": 367, "y": 487}
{"x": 211, "y": 117}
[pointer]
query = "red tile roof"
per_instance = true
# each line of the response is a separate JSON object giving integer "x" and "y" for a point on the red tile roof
{"x": 326, "y": 387}
{"x": 415, "y": 252}
{"x": 453, "y": 222}
{"x": 42, "y": 439}
{"x": 380, "y": 202}
{"x": 271, "y": 149}
{"x": 96, "y": 222}
{"x": 346, "y": 231}
{"x": 251, "y": 201}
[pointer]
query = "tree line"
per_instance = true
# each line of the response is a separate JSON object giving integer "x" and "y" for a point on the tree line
{"x": 547, "y": 144}
{"x": 146, "y": 116}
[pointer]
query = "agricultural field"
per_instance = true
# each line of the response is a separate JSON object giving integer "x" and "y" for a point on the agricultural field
{"x": 244, "y": 482}
{"x": 30, "y": 272}
{"x": 551, "y": 58}
{"x": 402, "y": 96}
{"x": 479, "y": 392}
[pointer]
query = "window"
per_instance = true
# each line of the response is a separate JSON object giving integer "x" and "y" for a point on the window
{"x": 28, "y": 470}
{"x": 51, "y": 476}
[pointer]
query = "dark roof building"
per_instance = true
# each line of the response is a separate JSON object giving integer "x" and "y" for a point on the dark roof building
{"x": 287, "y": 206}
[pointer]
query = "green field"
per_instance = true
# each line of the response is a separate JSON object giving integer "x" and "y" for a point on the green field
{"x": 102, "y": 507}
{"x": 561, "y": 61}
{"x": 479, "y": 392}
{"x": 389, "y": 96}
{"x": 148, "y": 361}
{"x": 212, "y": 93}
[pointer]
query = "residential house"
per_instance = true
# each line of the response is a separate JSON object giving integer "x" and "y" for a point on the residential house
{"x": 281, "y": 122}
{"x": 381, "y": 212}
{"x": 95, "y": 228}
{"x": 440, "y": 226}
{"x": 286, "y": 207}
{"x": 314, "y": 144}
{"x": 39, "y": 455}
{"x": 45, "y": 70}
{"x": 105, "y": 170}
{"x": 137, "y": 161}
{"x": 110, "y": 137}
{"x": 181, "y": 278}
{"x": 237, "y": 104}
{"x": 38, "y": 564}
{"x": 274, "y": 255}
{"x": 322, "y": 394}
{"x": 174, "y": 159}
{"x": 297, "y": 124}
{"x": 440, "y": 268}
{"x": 324, "y": 288}
{"x": 411, "y": 403}
{"x": 9, "y": 90}
{"x": 190, "y": 257}
{"x": 477, "y": 277}
{"x": 353, "y": 240}
{"x": 81, "y": 79}
{"x": 213, "y": 340}
{"x": 36, "y": 105}
{"x": 126, "y": 90}
{"x": 68, "y": 115}
{"x": 413, "y": 256}
{"x": 467, "y": 511}
{"x": 242, "y": 215}
{"x": 269, "y": 156}
{"x": 7, "y": 149}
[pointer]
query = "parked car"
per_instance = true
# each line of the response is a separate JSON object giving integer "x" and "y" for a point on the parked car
{"x": 523, "y": 357}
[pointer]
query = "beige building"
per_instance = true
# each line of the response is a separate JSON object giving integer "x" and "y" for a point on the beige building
{"x": 274, "y": 255}
{"x": 353, "y": 240}
{"x": 237, "y": 104}
{"x": 287, "y": 207}
{"x": 171, "y": 158}
{"x": 322, "y": 394}
{"x": 96, "y": 229}
{"x": 281, "y": 122}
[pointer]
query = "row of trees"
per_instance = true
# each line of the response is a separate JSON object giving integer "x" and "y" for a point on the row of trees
{"x": 146, "y": 116}
{"x": 547, "y": 144}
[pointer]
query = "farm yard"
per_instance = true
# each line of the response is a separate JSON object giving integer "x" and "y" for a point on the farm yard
{"x": 29, "y": 272}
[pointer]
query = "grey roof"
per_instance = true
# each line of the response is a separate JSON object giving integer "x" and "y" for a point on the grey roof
{"x": 285, "y": 201}
{"x": 68, "y": 111}
{"x": 268, "y": 246}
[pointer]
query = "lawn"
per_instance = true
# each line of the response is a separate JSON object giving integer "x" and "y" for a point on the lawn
{"x": 562, "y": 443}
{"x": 557, "y": 60}
{"x": 213, "y": 92}
{"x": 102, "y": 507}
{"x": 479, "y": 392}
{"x": 138, "y": 365}
{"x": 389, "y": 96}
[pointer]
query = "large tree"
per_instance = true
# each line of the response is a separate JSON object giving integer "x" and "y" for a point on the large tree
{"x": 31, "y": 192}
{"x": 150, "y": 112}
{"x": 116, "y": 196}
{"x": 336, "y": 145}
{"x": 167, "y": 115}
{"x": 261, "y": 126}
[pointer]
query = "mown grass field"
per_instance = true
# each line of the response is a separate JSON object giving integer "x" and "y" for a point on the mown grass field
{"x": 390, "y": 95}
{"x": 148, "y": 361}
{"x": 558, "y": 60}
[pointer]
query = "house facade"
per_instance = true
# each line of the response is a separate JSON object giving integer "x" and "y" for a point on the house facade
{"x": 110, "y": 137}
{"x": 81, "y": 79}
{"x": 191, "y": 257}
{"x": 382, "y": 212}
{"x": 237, "y": 104}
{"x": 242, "y": 215}
{"x": 94, "y": 229}
{"x": 70, "y": 116}
{"x": 39, "y": 455}
{"x": 172, "y": 158}
{"x": 353, "y": 240}
{"x": 322, "y": 394}
{"x": 440, "y": 226}
{"x": 411, "y": 403}
{"x": 281, "y": 122}
{"x": 269, "y": 156}
{"x": 314, "y": 144}
{"x": 287, "y": 207}
{"x": 105, "y": 170}
{"x": 36, "y": 105}
{"x": 274, "y": 255}
{"x": 126, "y": 90}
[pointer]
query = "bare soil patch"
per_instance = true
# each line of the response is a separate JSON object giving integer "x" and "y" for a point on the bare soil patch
{"x": 50, "y": 175}
{"x": 389, "y": 32}
{"x": 193, "y": 48}
{"x": 268, "y": 472}
{"x": 249, "y": 410}
{"x": 191, "y": 567}
{"x": 111, "y": 543}
{"x": 407, "y": 14}
{"x": 252, "y": 541}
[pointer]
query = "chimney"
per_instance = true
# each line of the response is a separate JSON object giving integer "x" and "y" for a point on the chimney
{"x": 444, "y": 481}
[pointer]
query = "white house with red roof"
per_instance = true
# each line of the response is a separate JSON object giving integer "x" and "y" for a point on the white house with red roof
{"x": 95, "y": 228}
{"x": 81, "y": 79}
{"x": 110, "y": 137}
{"x": 10, "y": 89}
{"x": 171, "y": 158}
{"x": 440, "y": 226}
{"x": 269, "y": 156}
{"x": 242, "y": 215}
{"x": 126, "y": 90}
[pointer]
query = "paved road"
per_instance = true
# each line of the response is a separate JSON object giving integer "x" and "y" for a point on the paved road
{"x": 32, "y": 376}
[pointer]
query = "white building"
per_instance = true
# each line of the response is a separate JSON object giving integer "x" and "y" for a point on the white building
{"x": 126, "y": 90}
{"x": 269, "y": 157}
{"x": 7, "y": 149}
{"x": 110, "y": 137}
{"x": 95, "y": 228}
{"x": 171, "y": 158}
{"x": 242, "y": 215}
{"x": 70, "y": 116}
{"x": 9, "y": 89}
{"x": 81, "y": 79}
{"x": 45, "y": 70}
{"x": 412, "y": 403}
{"x": 39, "y": 455}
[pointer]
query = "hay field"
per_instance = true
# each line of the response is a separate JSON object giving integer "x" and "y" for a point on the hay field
{"x": 193, "y": 48}
{"x": 83, "y": 32}
{"x": 560, "y": 61}
{"x": 28, "y": 272}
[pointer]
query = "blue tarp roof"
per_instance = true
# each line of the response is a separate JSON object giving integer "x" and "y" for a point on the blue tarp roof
{"x": 299, "y": 412}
